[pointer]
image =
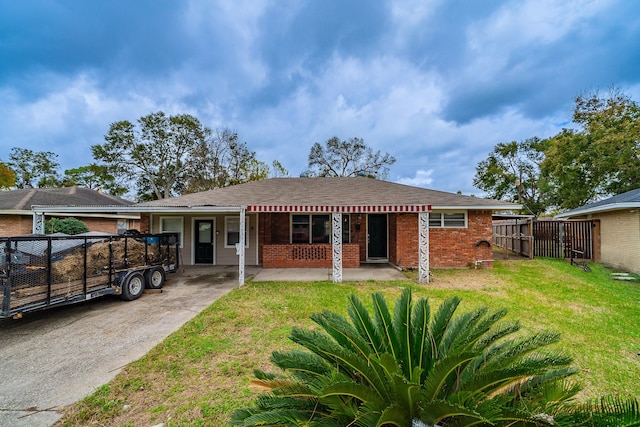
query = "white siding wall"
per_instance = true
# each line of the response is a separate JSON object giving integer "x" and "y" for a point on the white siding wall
{"x": 222, "y": 256}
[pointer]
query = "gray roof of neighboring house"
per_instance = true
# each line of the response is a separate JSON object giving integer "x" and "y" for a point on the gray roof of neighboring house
{"x": 628, "y": 200}
{"x": 335, "y": 191}
{"x": 24, "y": 199}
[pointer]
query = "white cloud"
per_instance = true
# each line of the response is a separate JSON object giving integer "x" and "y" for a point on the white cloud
{"x": 422, "y": 178}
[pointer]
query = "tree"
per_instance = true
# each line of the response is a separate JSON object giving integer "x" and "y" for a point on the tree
{"x": 348, "y": 158}
{"x": 570, "y": 180}
{"x": 95, "y": 177}
{"x": 221, "y": 160}
{"x": 7, "y": 177}
{"x": 156, "y": 155}
{"x": 512, "y": 172}
{"x": 277, "y": 170}
{"x": 66, "y": 225}
{"x": 34, "y": 169}
{"x": 415, "y": 368}
{"x": 599, "y": 159}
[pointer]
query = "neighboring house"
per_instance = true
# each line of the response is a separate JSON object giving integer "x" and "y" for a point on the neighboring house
{"x": 619, "y": 223}
{"x": 290, "y": 222}
{"x": 16, "y": 214}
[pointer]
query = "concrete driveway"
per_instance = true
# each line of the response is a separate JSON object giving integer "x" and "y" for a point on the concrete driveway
{"x": 53, "y": 358}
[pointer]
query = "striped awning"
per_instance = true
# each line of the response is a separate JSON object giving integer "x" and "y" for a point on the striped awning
{"x": 341, "y": 209}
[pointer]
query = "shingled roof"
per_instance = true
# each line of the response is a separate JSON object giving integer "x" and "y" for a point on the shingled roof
{"x": 24, "y": 199}
{"x": 628, "y": 200}
{"x": 335, "y": 191}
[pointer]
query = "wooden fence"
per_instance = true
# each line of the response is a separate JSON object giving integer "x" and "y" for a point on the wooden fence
{"x": 563, "y": 239}
{"x": 514, "y": 237}
{"x": 550, "y": 239}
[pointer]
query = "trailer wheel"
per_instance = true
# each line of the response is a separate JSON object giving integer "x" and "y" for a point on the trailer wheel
{"x": 155, "y": 277}
{"x": 133, "y": 286}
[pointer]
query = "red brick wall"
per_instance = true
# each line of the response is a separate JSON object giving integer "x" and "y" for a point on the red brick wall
{"x": 392, "y": 221}
{"x": 403, "y": 239}
{"x": 308, "y": 256}
{"x": 15, "y": 225}
{"x": 448, "y": 247}
{"x": 359, "y": 233}
{"x": 456, "y": 247}
{"x": 101, "y": 224}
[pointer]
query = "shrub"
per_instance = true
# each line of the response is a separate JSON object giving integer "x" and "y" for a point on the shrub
{"x": 67, "y": 225}
{"x": 418, "y": 368}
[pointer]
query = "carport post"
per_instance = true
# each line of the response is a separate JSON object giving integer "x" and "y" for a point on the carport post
{"x": 336, "y": 246}
{"x": 38, "y": 223}
{"x": 241, "y": 243}
{"x": 423, "y": 247}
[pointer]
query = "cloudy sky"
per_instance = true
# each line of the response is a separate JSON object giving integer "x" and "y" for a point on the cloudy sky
{"x": 435, "y": 83}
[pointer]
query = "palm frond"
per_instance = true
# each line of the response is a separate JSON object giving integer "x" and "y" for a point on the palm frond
{"x": 341, "y": 359}
{"x": 420, "y": 343}
{"x": 364, "y": 325}
{"x": 301, "y": 364}
{"x": 440, "y": 322}
{"x": 437, "y": 410}
{"x": 459, "y": 331}
{"x": 402, "y": 331}
{"x": 608, "y": 411}
{"x": 343, "y": 332}
{"x": 443, "y": 371}
{"x": 382, "y": 320}
{"x": 393, "y": 415}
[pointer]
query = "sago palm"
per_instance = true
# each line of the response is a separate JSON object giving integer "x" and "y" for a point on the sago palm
{"x": 417, "y": 368}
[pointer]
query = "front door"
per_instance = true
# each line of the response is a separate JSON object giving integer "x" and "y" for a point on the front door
{"x": 204, "y": 241}
{"x": 377, "y": 233}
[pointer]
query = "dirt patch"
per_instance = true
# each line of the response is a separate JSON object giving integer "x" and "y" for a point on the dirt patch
{"x": 466, "y": 279}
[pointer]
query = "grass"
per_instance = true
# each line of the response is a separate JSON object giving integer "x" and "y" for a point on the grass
{"x": 200, "y": 374}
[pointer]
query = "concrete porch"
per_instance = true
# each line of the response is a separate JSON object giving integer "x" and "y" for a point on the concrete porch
{"x": 381, "y": 272}
{"x": 222, "y": 273}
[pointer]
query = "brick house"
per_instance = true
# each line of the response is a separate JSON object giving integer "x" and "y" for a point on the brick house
{"x": 321, "y": 222}
{"x": 618, "y": 218}
{"x": 16, "y": 214}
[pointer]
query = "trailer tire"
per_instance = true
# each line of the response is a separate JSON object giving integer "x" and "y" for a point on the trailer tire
{"x": 132, "y": 286}
{"x": 155, "y": 277}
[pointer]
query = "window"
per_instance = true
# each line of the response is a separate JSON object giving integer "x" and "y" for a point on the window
{"x": 307, "y": 228}
{"x": 321, "y": 229}
{"x": 172, "y": 225}
{"x": 447, "y": 219}
{"x": 300, "y": 229}
{"x": 232, "y": 231}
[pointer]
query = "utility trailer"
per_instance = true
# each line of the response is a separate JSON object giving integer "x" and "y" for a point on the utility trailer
{"x": 38, "y": 272}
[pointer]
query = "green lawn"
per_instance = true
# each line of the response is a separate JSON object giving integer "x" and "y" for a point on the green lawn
{"x": 200, "y": 374}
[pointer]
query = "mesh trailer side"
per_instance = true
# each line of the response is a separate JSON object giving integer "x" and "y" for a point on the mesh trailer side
{"x": 52, "y": 270}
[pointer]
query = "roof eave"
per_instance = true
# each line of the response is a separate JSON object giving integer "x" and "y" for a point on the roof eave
{"x": 596, "y": 209}
{"x": 134, "y": 209}
{"x": 478, "y": 207}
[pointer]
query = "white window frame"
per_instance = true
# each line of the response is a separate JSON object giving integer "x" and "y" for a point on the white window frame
{"x": 226, "y": 231}
{"x": 180, "y": 232}
{"x": 443, "y": 221}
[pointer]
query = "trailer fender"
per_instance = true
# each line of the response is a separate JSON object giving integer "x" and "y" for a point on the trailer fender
{"x": 132, "y": 286}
